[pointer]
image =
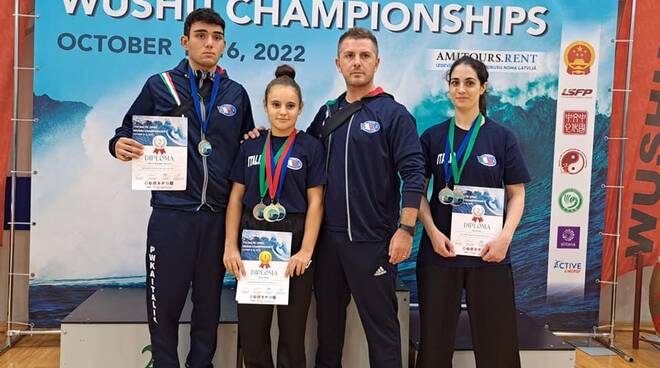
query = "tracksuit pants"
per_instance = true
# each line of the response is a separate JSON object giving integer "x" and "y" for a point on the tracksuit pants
{"x": 184, "y": 249}
{"x": 254, "y": 321}
{"x": 363, "y": 270}
{"x": 491, "y": 307}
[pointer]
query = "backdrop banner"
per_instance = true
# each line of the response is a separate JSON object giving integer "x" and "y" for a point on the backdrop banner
{"x": 551, "y": 66}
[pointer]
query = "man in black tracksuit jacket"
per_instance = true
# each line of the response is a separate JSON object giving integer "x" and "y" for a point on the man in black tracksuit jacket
{"x": 186, "y": 231}
{"x": 359, "y": 244}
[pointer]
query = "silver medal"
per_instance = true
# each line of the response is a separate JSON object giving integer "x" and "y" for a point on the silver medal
{"x": 204, "y": 148}
{"x": 258, "y": 211}
{"x": 446, "y": 196}
{"x": 459, "y": 197}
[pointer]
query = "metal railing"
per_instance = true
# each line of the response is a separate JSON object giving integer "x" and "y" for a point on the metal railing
{"x": 14, "y": 172}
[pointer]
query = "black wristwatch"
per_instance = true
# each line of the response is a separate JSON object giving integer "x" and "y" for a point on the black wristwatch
{"x": 407, "y": 228}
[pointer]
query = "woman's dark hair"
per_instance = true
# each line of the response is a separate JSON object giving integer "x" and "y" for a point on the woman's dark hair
{"x": 284, "y": 76}
{"x": 482, "y": 75}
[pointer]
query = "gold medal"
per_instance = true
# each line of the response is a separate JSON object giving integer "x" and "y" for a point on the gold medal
{"x": 271, "y": 213}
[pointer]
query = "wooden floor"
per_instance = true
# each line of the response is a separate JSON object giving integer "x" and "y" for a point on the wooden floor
{"x": 44, "y": 352}
{"x": 646, "y": 356}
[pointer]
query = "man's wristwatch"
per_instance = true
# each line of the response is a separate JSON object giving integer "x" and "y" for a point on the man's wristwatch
{"x": 407, "y": 228}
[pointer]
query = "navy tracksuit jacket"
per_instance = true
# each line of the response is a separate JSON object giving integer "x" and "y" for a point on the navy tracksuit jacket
{"x": 367, "y": 159}
{"x": 186, "y": 231}
{"x": 382, "y": 144}
{"x": 225, "y": 131}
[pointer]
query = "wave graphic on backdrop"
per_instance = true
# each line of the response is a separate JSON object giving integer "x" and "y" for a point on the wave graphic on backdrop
{"x": 81, "y": 181}
{"x": 103, "y": 181}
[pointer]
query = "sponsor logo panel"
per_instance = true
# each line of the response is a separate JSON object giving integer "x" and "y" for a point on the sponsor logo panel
{"x": 579, "y": 56}
{"x": 572, "y": 161}
{"x": 570, "y": 200}
{"x": 575, "y": 122}
{"x": 568, "y": 237}
{"x": 495, "y": 60}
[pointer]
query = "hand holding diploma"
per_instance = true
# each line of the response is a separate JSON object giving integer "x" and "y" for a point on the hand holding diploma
{"x": 127, "y": 149}
{"x": 495, "y": 250}
{"x": 441, "y": 244}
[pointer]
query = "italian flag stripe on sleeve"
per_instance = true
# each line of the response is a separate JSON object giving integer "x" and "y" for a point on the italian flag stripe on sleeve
{"x": 167, "y": 79}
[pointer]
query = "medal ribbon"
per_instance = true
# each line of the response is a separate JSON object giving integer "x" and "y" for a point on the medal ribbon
{"x": 263, "y": 183}
{"x": 194, "y": 91}
{"x": 463, "y": 151}
{"x": 284, "y": 164}
{"x": 273, "y": 181}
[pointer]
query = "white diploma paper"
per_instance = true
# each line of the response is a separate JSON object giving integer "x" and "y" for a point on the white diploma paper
{"x": 477, "y": 220}
{"x": 265, "y": 255}
{"x": 164, "y": 162}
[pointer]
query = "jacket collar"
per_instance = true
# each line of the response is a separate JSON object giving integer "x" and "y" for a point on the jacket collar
{"x": 376, "y": 92}
{"x": 182, "y": 68}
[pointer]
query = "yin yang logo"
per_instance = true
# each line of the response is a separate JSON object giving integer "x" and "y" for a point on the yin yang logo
{"x": 572, "y": 161}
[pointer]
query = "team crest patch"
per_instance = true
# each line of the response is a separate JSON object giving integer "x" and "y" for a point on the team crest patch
{"x": 227, "y": 110}
{"x": 294, "y": 163}
{"x": 487, "y": 160}
{"x": 370, "y": 126}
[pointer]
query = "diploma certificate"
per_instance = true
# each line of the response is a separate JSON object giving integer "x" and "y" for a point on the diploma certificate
{"x": 477, "y": 220}
{"x": 265, "y": 255}
{"x": 163, "y": 165}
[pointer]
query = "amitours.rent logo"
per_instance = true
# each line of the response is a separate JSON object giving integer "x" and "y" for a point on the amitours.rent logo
{"x": 495, "y": 60}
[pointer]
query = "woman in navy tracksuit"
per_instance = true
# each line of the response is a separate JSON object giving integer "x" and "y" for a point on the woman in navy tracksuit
{"x": 495, "y": 161}
{"x": 302, "y": 197}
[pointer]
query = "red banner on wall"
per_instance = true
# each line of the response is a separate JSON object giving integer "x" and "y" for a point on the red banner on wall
{"x": 7, "y": 12}
{"x": 640, "y": 208}
{"x": 6, "y": 95}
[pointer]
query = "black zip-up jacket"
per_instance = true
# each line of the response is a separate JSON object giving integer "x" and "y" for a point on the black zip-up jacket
{"x": 381, "y": 148}
{"x": 208, "y": 184}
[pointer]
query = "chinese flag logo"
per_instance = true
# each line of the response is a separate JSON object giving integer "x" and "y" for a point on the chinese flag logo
{"x": 579, "y": 57}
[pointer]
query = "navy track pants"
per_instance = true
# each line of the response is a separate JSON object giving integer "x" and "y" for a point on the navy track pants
{"x": 184, "y": 250}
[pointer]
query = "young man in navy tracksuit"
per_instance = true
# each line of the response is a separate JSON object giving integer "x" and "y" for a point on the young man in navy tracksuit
{"x": 360, "y": 245}
{"x": 186, "y": 231}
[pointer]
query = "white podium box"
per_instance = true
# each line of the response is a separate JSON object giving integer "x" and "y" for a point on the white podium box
{"x": 110, "y": 330}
